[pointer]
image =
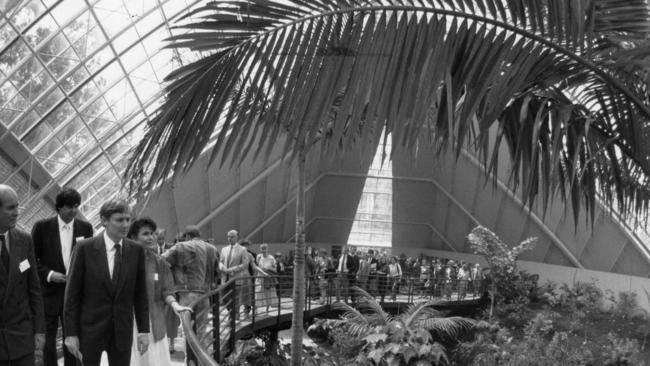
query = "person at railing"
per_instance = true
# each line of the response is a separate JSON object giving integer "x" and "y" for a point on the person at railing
{"x": 475, "y": 278}
{"x": 394, "y": 277}
{"x": 346, "y": 272}
{"x": 247, "y": 286}
{"x": 160, "y": 292}
{"x": 462, "y": 278}
{"x": 450, "y": 278}
{"x": 235, "y": 261}
{"x": 265, "y": 287}
{"x": 425, "y": 279}
{"x": 364, "y": 271}
{"x": 324, "y": 269}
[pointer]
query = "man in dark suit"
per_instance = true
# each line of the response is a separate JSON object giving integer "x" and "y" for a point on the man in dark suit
{"x": 22, "y": 323}
{"x": 106, "y": 286}
{"x": 347, "y": 268}
{"x": 54, "y": 239}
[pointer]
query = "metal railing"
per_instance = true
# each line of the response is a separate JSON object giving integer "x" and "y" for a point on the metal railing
{"x": 246, "y": 304}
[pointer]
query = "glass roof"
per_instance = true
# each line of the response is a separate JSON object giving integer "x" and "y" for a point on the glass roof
{"x": 77, "y": 79}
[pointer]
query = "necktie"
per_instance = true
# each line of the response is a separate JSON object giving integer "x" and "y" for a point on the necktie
{"x": 4, "y": 256}
{"x": 229, "y": 257}
{"x": 345, "y": 263}
{"x": 117, "y": 263}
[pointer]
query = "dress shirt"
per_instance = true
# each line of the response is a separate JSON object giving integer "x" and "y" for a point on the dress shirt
{"x": 343, "y": 264}
{"x": 65, "y": 236}
{"x": 110, "y": 252}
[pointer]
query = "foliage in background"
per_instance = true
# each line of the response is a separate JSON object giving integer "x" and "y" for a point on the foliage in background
{"x": 511, "y": 285}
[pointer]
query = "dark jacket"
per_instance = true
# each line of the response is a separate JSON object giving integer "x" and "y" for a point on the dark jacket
{"x": 47, "y": 247}
{"x": 93, "y": 309}
{"x": 160, "y": 284}
{"x": 21, "y": 308}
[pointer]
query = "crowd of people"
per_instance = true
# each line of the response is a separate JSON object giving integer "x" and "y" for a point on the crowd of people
{"x": 121, "y": 290}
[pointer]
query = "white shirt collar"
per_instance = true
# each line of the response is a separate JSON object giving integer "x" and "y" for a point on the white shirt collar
{"x": 109, "y": 242}
{"x": 62, "y": 223}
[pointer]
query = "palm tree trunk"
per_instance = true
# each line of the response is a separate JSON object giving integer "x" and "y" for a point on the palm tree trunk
{"x": 299, "y": 267}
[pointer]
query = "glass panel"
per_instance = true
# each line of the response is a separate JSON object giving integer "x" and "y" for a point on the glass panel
{"x": 110, "y": 75}
{"x": 111, "y": 12}
{"x": 126, "y": 105}
{"x": 101, "y": 125}
{"x": 60, "y": 114}
{"x": 104, "y": 178}
{"x": 67, "y": 9}
{"x": 53, "y": 47}
{"x": 7, "y": 35}
{"x": 7, "y": 92}
{"x": 136, "y": 8}
{"x": 81, "y": 141}
{"x": 10, "y": 58}
{"x": 63, "y": 63}
{"x": 48, "y": 149}
{"x": 156, "y": 41}
{"x": 37, "y": 34}
{"x": 134, "y": 57}
{"x": 40, "y": 133}
{"x": 74, "y": 79}
{"x": 126, "y": 39}
{"x": 69, "y": 130}
{"x": 24, "y": 123}
{"x": 83, "y": 95}
{"x": 52, "y": 98}
{"x": 26, "y": 15}
{"x": 150, "y": 22}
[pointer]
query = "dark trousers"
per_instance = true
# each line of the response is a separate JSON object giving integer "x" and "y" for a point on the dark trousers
{"x": 115, "y": 357}
{"x": 27, "y": 360}
{"x": 49, "y": 351}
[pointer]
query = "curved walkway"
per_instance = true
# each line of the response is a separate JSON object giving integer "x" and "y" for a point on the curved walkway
{"x": 210, "y": 338}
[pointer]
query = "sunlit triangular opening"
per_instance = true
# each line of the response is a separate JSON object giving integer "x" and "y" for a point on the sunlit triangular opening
{"x": 373, "y": 221}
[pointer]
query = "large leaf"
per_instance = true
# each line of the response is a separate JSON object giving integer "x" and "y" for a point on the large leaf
{"x": 565, "y": 84}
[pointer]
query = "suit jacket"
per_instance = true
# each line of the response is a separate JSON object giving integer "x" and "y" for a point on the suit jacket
{"x": 239, "y": 261}
{"x": 47, "y": 247}
{"x": 21, "y": 307}
{"x": 93, "y": 309}
{"x": 352, "y": 264}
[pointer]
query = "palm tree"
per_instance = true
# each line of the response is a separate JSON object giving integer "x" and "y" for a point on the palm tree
{"x": 421, "y": 324}
{"x": 562, "y": 84}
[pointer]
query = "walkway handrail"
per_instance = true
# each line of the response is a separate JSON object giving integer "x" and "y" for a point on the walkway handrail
{"x": 213, "y": 327}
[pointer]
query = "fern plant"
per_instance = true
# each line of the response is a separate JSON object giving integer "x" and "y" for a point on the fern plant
{"x": 411, "y": 338}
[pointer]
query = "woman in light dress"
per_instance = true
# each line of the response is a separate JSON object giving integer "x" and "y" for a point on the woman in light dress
{"x": 159, "y": 293}
{"x": 265, "y": 291}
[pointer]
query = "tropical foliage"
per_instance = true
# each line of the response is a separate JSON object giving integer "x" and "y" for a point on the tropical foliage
{"x": 562, "y": 85}
{"x": 509, "y": 284}
{"x": 410, "y": 338}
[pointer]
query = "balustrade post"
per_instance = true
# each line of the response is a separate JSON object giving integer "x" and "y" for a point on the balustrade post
{"x": 216, "y": 326}
{"x": 189, "y": 354}
{"x": 234, "y": 313}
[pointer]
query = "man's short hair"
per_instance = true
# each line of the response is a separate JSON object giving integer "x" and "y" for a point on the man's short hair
{"x": 112, "y": 207}
{"x": 139, "y": 224}
{"x": 67, "y": 197}
{"x": 191, "y": 232}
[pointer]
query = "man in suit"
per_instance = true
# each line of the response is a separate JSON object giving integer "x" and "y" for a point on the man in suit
{"x": 22, "y": 323}
{"x": 347, "y": 268}
{"x": 106, "y": 286}
{"x": 54, "y": 239}
{"x": 235, "y": 260}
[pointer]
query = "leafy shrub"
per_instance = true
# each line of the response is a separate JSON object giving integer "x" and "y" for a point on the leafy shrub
{"x": 622, "y": 352}
{"x": 510, "y": 285}
{"x": 626, "y": 305}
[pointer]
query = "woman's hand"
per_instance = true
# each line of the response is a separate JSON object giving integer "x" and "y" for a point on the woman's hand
{"x": 178, "y": 308}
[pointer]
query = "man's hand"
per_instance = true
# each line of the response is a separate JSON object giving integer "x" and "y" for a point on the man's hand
{"x": 72, "y": 343}
{"x": 57, "y": 277}
{"x": 143, "y": 343}
{"x": 178, "y": 308}
{"x": 39, "y": 341}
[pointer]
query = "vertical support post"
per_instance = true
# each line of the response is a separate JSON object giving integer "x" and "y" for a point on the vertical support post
{"x": 234, "y": 313}
{"x": 299, "y": 268}
{"x": 216, "y": 326}
{"x": 189, "y": 354}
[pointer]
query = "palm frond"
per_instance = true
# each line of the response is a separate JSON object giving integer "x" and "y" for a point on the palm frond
{"x": 414, "y": 311}
{"x": 451, "y": 327}
{"x": 550, "y": 75}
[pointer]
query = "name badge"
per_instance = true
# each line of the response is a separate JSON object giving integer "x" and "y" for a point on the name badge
{"x": 79, "y": 238}
{"x": 155, "y": 276}
{"x": 24, "y": 265}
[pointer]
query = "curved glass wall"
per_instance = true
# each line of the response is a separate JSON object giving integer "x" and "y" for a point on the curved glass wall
{"x": 77, "y": 79}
